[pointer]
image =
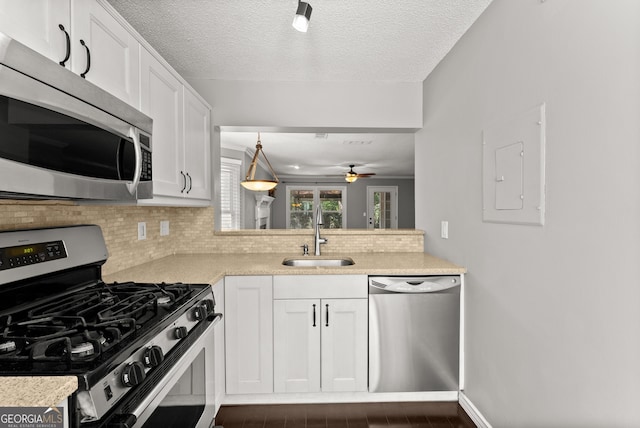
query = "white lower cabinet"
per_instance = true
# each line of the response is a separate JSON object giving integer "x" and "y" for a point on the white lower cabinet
{"x": 218, "y": 347}
{"x": 320, "y": 333}
{"x": 296, "y": 333}
{"x": 320, "y": 345}
{"x": 249, "y": 334}
{"x": 296, "y": 350}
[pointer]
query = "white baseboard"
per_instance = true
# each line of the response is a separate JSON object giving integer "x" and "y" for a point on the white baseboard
{"x": 345, "y": 397}
{"x": 472, "y": 411}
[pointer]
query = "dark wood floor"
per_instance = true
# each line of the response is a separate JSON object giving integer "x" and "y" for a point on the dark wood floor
{"x": 360, "y": 415}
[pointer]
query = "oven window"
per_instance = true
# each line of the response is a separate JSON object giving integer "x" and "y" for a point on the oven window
{"x": 44, "y": 138}
{"x": 184, "y": 404}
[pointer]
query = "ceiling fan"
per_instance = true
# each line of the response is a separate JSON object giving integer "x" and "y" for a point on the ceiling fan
{"x": 352, "y": 176}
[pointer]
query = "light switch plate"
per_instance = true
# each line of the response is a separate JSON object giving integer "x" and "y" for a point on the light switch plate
{"x": 164, "y": 228}
{"x": 444, "y": 229}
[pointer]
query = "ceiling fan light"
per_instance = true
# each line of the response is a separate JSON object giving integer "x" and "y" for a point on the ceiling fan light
{"x": 350, "y": 177}
{"x": 303, "y": 16}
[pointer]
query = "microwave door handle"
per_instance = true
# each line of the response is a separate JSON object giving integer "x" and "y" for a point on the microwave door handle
{"x": 133, "y": 186}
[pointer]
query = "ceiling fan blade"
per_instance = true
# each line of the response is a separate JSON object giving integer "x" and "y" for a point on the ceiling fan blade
{"x": 365, "y": 175}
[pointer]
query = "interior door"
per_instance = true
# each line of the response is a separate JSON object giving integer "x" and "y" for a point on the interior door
{"x": 382, "y": 207}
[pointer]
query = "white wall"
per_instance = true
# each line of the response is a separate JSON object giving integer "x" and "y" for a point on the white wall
{"x": 366, "y": 105}
{"x": 553, "y": 312}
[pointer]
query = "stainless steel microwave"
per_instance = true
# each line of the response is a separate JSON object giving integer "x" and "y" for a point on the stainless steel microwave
{"x": 63, "y": 137}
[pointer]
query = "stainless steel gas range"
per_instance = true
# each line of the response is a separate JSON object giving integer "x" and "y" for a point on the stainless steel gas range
{"x": 131, "y": 345}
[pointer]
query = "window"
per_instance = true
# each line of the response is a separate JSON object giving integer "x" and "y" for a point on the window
{"x": 303, "y": 200}
{"x": 230, "y": 209}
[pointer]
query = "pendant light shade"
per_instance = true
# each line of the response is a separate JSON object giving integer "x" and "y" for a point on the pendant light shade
{"x": 303, "y": 16}
{"x": 250, "y": 183}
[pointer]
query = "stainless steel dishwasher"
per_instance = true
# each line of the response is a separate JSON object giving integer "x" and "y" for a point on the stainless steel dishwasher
{"x": 414, "y": 333}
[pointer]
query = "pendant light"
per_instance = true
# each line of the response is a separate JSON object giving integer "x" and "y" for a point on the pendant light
{"x": 250, "y": 183}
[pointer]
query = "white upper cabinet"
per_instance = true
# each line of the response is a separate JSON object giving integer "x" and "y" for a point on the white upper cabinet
{"x": 82, "y": 36}
{"x": 161, "y": 95}
{"x": 36, "y": 23}
{"x": 91, "y": 39}
{"x": 181, "y": 136}
{"x": 104, "y": 51}
{"x": 197, "y": 146}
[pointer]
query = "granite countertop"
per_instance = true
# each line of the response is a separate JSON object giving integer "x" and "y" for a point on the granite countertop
{"x": 209, "y": 268}
{"x": 36, "y": 391}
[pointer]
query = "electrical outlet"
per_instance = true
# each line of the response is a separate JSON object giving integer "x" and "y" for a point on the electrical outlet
{"x": 164, "y": 228}
{"x": 444, "y": 229}
{"x": 142, "y": 231}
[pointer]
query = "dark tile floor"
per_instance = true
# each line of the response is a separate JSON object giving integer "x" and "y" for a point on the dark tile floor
{"x": 360, "y": 415}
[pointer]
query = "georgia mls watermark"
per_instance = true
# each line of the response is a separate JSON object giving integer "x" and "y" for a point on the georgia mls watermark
{"x": 31, "y": 417}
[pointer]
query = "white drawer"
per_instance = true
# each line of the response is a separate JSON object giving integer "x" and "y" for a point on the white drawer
{"x": 320, "y": 286}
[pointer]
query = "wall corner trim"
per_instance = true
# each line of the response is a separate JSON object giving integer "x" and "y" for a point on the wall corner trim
{"x": 472, "y": 411}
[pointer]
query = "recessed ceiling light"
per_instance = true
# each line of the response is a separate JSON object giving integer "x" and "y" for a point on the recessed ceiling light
{"x": 295, "y": 166}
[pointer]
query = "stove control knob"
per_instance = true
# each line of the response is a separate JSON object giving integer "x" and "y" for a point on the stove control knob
{"x": 152, "y": 356}
{"x": 208, "y": 303}
{"x": 133, "y": 374}
{"x": 199, "y": 312}
{"x": 181, "y": 332}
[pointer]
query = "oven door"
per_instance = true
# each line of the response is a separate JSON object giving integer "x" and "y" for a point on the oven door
{"x": 186, "y": 395}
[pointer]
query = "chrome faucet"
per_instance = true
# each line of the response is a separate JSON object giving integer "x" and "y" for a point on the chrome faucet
{"x": 318, "y": 240}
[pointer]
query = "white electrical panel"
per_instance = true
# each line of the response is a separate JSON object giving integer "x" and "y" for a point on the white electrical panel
{"x": 513, "y": 159}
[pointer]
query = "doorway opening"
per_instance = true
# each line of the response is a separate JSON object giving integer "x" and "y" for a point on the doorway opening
{"x": 382, "y": 207}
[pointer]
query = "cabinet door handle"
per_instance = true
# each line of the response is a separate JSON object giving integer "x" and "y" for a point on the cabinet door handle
{"x": 327, "y": 316}
{"x": 184, "y": 180}
{"x": 190, "y": 183}
{"x": 68, "y": 53}
{"x": 83, "y": 75}
{"x": 314, "y": 315}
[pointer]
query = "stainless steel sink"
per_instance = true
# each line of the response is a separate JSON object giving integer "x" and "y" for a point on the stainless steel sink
{"x": 309, "y": 262}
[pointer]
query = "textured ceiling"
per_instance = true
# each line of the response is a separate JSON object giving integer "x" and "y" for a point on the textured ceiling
{"x": 354, "y": 40}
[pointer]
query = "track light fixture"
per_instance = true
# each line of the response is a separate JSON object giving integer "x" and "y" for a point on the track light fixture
{"x": 303, "y": 16}
{"x": 250, "y": 183}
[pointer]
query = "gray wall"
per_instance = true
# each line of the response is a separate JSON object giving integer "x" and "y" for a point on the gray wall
{"x": 356, "y": 200}
{"x": 552, "y": 312}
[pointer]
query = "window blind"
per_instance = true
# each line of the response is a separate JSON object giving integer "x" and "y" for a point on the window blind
{"x": 230, "y": 210}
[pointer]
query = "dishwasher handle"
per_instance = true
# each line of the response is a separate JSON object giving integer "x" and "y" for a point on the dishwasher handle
{"x": 413, "y": 285}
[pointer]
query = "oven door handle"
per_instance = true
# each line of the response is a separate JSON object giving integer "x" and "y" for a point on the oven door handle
{"x": 173, "y": 374}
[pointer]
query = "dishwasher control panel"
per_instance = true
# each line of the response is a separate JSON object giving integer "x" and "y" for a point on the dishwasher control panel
{"x": 413, "y": 284}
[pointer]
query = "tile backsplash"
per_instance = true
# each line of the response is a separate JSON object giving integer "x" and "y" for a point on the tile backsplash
{"x": 119, "y": 226}
{"x": 191, "y": 230}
